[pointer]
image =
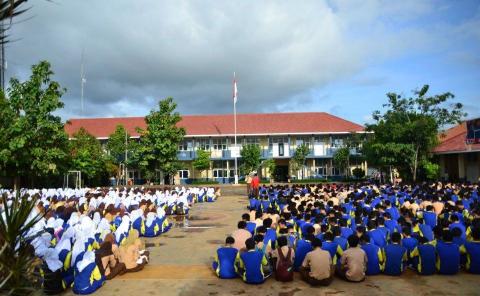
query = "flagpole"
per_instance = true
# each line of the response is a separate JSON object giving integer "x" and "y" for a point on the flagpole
{"x": 235, "y": 126}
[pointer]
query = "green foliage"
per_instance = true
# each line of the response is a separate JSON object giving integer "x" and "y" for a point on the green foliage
{"x": 358, "y": 173}
{"x": 32, "y": 139}
{"x": 251, "y": 157}
{"x": 17, "y": 259}
{"x": 117, "y": 144}
{"x": 341, "y": 159}
{"x": 270, "y": 165}
{"x": 298, "y": 160}
{"x": 8, "y": 10}
{"x": 202, "y": 161}
{"x": 406, "y": 133}
{"x": 87, "y": 156}
{"x": 432, "y": 170}
{"x": 159, "y": 142}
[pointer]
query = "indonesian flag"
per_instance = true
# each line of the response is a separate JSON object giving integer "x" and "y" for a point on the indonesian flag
{"x": 234, "y": 89}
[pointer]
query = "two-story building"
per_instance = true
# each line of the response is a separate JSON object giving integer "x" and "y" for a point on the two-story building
{"x": 277, "y": 134}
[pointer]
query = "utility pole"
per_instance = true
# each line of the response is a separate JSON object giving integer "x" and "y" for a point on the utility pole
{"x": 3, "y": 63}
{"x": 126, "y": 158}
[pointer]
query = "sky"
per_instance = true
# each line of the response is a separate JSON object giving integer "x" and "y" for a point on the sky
{"x": 340, "y": 57}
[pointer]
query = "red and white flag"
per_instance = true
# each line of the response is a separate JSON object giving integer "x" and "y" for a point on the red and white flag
{"x": 234, "y": 89}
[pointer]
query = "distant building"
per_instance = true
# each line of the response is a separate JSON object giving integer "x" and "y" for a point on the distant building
{"x": 459, "y": 155}
{"x": 277, "y": 134}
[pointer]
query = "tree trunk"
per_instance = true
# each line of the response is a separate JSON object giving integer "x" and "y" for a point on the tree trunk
{"x": 415, "y": 165}
{"x": 16, "y": 183}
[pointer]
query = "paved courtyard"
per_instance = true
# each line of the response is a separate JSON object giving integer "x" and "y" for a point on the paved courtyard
{"x": 180, "y": 265}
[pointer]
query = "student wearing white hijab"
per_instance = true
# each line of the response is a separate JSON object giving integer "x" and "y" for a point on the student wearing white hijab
{"x": 52, "y": 273}
{"x": 87, "y": 275}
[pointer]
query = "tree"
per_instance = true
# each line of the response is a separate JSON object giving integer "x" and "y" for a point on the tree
{"x": 17, "y": 260}
{"x": 202, "y": 161}
{"x": 87, "y": 156}
{"x": 270, "y": 165}
{"x": 298, "y": 160}
{"x": 8, "y": 10}
{"x": 117, "y": 144}
{"x": 159, "y": 142}
{"x": 341, "y": 159}
{"x": 33, "y": 142}
{"x": 406, "y": 133}
{"x": 251, "y": 157}
{"x": 358, "y": 173}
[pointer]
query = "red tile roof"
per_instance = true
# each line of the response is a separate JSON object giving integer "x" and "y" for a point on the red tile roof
{"x": 216, "y": 125}
{"x": 453, "y": 141}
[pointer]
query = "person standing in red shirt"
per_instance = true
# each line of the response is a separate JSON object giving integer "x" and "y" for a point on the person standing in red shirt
{"x": 255, "y": 184}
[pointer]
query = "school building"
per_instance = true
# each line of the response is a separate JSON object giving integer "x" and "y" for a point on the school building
{"x": 459, "y": 159}
{"x": 277, "y": 134}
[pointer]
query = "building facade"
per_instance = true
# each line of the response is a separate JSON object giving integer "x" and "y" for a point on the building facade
{"x": 277, "y": 135}
{"x": 459, "y": 160}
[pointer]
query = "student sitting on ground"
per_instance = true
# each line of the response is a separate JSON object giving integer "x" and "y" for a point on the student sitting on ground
{"x": 107, "y": 263}
{"x": 448, "y": 254}
{"x": 130, "y": 253}
{"x": 353, "y": 262}
{"x": 317, "y": 268}
{"x": 252, "y": 265}
{"x": 374, "y": 256}
{"x": 224, "y": 263}
{"x": 395, "y": 256}
{"x": 241, "y": 235}
{"x": 423, "y": 257}
{"x": 87, "y": 275}
{"x": 284, "y": 256}
{"x": 472, "y": 249}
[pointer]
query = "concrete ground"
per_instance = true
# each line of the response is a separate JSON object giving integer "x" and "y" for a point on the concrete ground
{"x": 181, "y": 258}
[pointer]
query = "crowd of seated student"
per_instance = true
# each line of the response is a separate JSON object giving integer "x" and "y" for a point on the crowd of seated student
{"x": 87, "y": 236}
{"x": 354, "y": 231}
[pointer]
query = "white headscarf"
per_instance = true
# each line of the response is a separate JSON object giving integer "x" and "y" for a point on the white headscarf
{"x": 150, "y": 219}
{"x": 160, "y": 212}
{"x": 78, "y": 247}
{"x": 51, "y": 258}
{"x": 96, "y": 218}
{"x": 74, "y": 219}
{"x": 88, "y": 258}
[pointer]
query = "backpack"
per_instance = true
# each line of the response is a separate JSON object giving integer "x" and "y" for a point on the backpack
{"x": 284, "y": 271}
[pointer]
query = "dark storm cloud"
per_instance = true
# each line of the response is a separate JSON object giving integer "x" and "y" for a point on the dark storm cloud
{"x": 139, "y": 51}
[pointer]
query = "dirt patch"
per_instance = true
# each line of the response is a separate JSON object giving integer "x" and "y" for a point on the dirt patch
{"x": 289, "y": 293}
{"x": 177, "y": 236}
{"x": 197, "y": 218}
{"x": 189, "y": 230}
{"x": 215, "y": 241}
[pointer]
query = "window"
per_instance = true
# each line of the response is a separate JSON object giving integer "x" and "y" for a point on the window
{"x": 252, "y": 141}
{"x": 306, "y": 140}
{"x": 278, "y": 140}
{"x": 219, "y": 144}
{"x": 183, "y": 174}
{"x": 185, "y": 145}
{"x": 223, "y": 173}
{"x": 336, "y": 172}
{"x": 321, "y": 171}
{"x": 281, "y": 150}
{"x": 337, "y": 142}
{"x": 203, "y": 144}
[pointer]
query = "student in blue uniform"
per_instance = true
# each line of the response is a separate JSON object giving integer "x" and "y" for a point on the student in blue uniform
{"x": 303, "y": 246}
{"x": 332, "y": 247}
{"x": 448, "y": 254}
{"x": 423, "y": 257}
{"x": 409, "y": 243}
{"x": 472, "y": 249}
{"x": 250, "y": 225}
{"x": 378, "y": 236}
{"x": 252, "y": 265}
{"x": 87, "y": 275}
{"x": 339, "y": 239}
{"x": 430, "y": 217}
{"x": 395, "y": 256}
{"x": 374, "y": 255}
{"x": 224, "y": 263}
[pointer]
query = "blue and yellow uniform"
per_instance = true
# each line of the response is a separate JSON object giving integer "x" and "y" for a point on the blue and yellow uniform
{"x": 424, "y": 259}
{"x": 448, "y": 257}
{"x": 375, "y": 258}
{"x": 252, "y": 263}
{"x": 334, "y": 249}
{"x": 378, "y": 237}
{"x": 224, "y": 264}
{"x": 472, "y": 250}
{"x": 87, "y": 275}
{"x": 395, "y": 256}
{"x": 303, "y": 247}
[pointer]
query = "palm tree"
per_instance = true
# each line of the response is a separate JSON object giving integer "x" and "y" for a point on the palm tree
{"x": 8, "y": 10}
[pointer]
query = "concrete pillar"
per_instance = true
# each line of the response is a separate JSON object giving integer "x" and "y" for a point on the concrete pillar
{"x": 461, "y": 166}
